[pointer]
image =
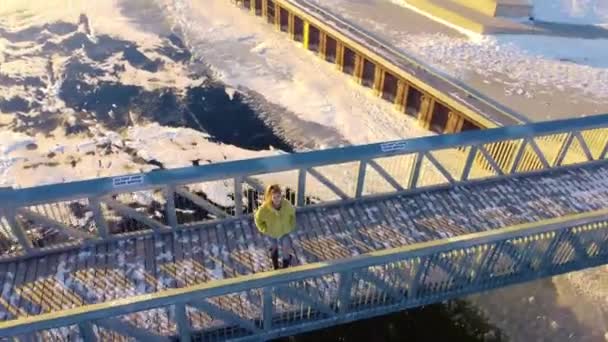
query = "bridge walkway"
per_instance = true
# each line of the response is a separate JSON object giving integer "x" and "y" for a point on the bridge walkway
{"x": 225, "y": 249}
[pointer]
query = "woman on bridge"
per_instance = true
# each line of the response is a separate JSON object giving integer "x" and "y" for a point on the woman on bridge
{"x": 276, "y": 218}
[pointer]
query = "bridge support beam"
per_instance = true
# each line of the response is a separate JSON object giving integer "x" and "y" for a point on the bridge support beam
{"x": 291, "y": 26}
{"x": 322, "y": 44}
{"x": 339, "y": 55}
{"x": 358, "y": 72}
{"x": 378, "y": 80}
{"x": 402, "y": 88}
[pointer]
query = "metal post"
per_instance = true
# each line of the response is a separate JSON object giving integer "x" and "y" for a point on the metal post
{"x": 419, "y": 277}
{"x": 583, "y": 145}
{"x": 346, "y": 283}
{"x": 469, "y": 163}
{"x": 86, "y": 332}
{"x": 170, "y": 207}
{"x": 416, "y": 171}
{"x": 268, "y": 308}
{"x": 183, "y": 326}
{"x": 238, "y": 196}
{"x": 100, "y": 222}
{"x": 301, "y": 187}
{"x": 361, "y": 178}
{"x": 564, "y": 150}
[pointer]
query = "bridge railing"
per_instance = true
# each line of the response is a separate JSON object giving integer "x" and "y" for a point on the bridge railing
{"x": 50, "y": 217}
{"x": 317, "y": 295}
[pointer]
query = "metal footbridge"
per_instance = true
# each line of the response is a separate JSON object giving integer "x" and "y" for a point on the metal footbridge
{"x": 173, "y": 254}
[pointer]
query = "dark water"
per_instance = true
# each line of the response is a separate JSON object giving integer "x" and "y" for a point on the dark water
{"x": 204, "y": 106}
{"x": 453, "y": 321}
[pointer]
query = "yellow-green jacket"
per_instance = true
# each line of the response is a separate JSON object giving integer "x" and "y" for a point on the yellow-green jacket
{"x": 276, "y": 223}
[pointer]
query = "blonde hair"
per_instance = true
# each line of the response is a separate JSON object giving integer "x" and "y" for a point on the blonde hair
{"x": 269, "y": 191}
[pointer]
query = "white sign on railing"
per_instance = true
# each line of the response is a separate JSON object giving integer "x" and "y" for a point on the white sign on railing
{"x": 393, "y": 146}
{"x": 121, "y": 181}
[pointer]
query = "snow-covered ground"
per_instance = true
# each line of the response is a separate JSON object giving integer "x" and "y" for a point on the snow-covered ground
{"x": 543, "y": 77}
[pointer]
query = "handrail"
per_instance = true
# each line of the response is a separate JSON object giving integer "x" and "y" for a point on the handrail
{"x": 268, "y": 279}
{"x": 255, "y": 166}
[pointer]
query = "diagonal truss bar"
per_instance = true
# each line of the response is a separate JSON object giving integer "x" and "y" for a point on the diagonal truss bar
{"x": 361, "y": 178}
{"x": 134, "y": 214}
{"x": 328, "y": 183}
{"x": 469, "y": 163}
{"x": 128, "y": 329}
{"x": 453, "y": 271}
{"x": 579, "y": 249}
{"x": 387, "y": 177}
{"x": 584, "y": 145}
{"x": 564, "y": 151}
{"x": 547, "y": 260}
{"x": 513, "y": 252}
{"x": 378, "y": 282}
{"x": 541, "y": 155}
{"x": 201, "y": 202}
{"x": 287, "y": 292}
{"x": 518, "y": 156}
{"x": 604, "y": 152}
{"x": 18, "y": 230}
{"x": 490, "y": 160}
{"x": 439, "y": 167}
{"x": 224, "y": 315}
{"x": 415, "y": 175}
{"x": 418, "y": 278}
{"x": 41, "y": 219}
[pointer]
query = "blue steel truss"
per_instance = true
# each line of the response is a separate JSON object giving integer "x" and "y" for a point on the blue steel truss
{"x": 318, "y": 295}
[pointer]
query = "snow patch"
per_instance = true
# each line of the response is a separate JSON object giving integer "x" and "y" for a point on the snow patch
{"x": 12, "y": 142}
{"x": 581, "y": 12}
{"x": 230, "y": 92}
